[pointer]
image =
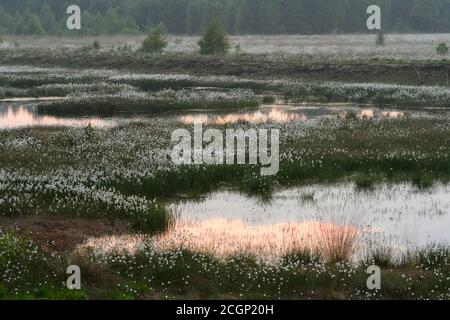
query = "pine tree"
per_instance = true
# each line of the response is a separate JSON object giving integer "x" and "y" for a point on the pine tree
{"x": 47, "y": 19}
{"x": 33, "y": 27}
{"x": 156, "y": 41}
{"x": 214, "y": 40}
{"x": 6, "y": 21}
{"x": 112, "y": 23}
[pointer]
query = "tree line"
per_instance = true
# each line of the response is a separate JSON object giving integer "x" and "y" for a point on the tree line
{"x": 237, "y": 16}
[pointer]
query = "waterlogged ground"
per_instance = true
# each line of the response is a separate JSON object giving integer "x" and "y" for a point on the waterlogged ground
{"x": 22, "y": 113}
{"x": 397, "y": 216}
{"x": 13, "y": 115}
{"x": 363, "y": 179}
{"x": 393, "y": 217}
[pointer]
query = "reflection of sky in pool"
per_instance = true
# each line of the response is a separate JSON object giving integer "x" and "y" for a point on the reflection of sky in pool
{"x": 312, "y": 217}
{"x": 399, "y": 215}
{"x": 14, "y": 114}
{"x": 289, "y": 113}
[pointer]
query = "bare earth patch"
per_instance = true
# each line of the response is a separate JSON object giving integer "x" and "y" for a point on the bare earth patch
{"x": 63, "y": 233}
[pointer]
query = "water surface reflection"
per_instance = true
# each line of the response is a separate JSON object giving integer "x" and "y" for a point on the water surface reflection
{"x": 289, "y": 113}
{"x": 15, "y": 115}
{"x": 395, "y": 215}
{"x": 332, "y": 219}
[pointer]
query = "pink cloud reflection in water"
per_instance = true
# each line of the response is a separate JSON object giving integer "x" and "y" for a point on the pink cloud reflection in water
{"x": 274, "y": 115}
{"x": 12, "y": 117}
{"x": 226, "y": 238}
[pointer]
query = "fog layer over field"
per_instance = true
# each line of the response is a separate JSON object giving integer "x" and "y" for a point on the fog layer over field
{"x": 398, "y": 46}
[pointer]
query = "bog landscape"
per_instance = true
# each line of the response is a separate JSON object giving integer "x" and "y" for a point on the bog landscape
{"x": 87, "y": 176}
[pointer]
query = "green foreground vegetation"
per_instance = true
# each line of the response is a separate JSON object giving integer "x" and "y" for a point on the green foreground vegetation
{"x": 29, "y": 273}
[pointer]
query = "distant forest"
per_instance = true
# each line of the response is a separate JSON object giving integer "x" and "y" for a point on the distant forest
{"x": 27, "y": 17}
